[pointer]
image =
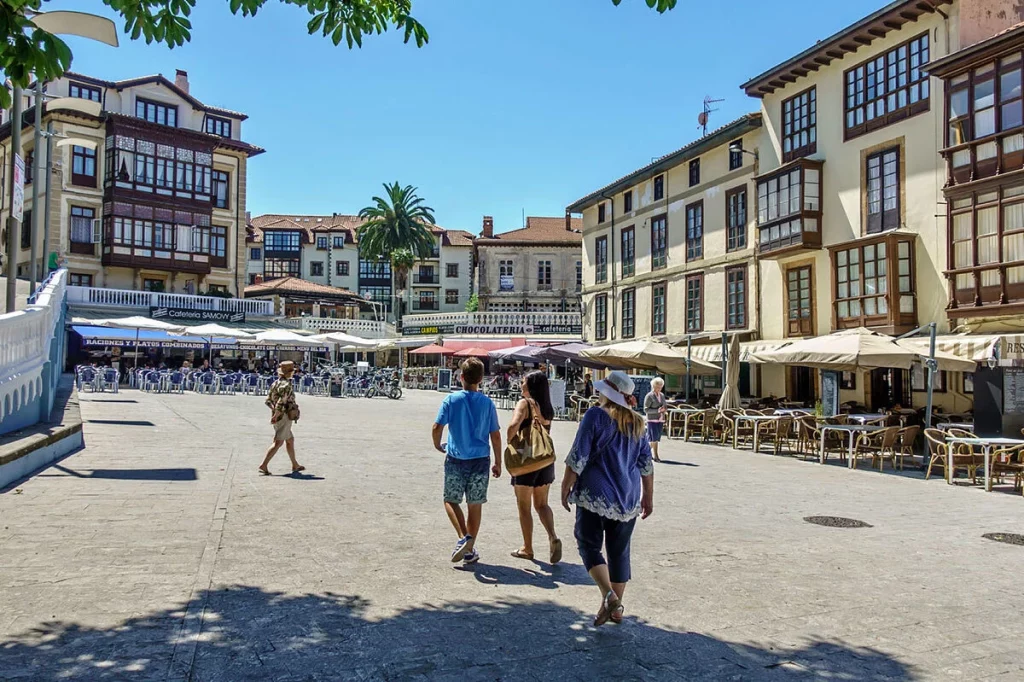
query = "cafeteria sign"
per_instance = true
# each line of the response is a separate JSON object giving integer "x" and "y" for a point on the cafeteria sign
{"x": 509, "y": 330}
{"x": 169, "y": 313}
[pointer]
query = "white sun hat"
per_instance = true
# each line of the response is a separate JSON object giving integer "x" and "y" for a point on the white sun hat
{"x": 617, "y": 387}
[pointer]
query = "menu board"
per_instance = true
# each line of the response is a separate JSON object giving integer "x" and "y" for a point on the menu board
{"x": 829, "y": 393}
{"x": 1013, "y": 391}
{"x": 444, "y": 380}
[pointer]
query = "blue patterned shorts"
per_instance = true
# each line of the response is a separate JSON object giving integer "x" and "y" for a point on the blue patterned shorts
{"x": 466, "y": 477}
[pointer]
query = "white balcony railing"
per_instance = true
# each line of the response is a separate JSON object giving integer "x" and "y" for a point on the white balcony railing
{"x": 125, "y": 298}
{"x": 368, "y": 329}
{"x": 494, "y": 322}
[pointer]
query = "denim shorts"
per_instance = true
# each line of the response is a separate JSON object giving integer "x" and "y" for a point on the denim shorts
{"x": 466, "y": 477}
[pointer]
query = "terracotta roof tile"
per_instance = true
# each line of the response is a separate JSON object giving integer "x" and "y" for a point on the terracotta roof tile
{"x": 540, "y": 230}
{"x": 296, "y": 286}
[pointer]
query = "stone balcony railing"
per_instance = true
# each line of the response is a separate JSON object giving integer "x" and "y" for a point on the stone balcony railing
{"x": 512, "y": 323}
{"x": 99, "y": 297}
{"x": 368, "y": 329}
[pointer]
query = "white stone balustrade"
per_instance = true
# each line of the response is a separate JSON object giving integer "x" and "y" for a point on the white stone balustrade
{"x": 368, "y": 329}
{"x": 485, "y": 322}
{"x": 27, "y": 338}
{"x": 125, "y": 298}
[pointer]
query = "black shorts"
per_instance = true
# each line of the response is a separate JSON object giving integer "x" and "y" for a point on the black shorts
{"x": 536, "y": 479}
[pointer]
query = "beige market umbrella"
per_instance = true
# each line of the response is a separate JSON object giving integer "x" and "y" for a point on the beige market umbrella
{"x": 647, "y": 354}
{"x": 858, "y": 349}
{"x": 730, "y": 399}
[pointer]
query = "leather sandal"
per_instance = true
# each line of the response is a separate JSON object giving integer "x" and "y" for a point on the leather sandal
{"x": 610, "y": 605}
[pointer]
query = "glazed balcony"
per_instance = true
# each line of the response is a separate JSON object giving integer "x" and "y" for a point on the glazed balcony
{"x": 789, "y": 209}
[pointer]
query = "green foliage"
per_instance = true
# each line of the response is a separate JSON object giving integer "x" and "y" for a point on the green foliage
{"x": 30, "y": 52}
{"x": 473, "y": 304}
{"x": 395, "y": 224}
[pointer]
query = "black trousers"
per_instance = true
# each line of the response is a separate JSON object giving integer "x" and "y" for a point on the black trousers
{"x": 594, "y": 533}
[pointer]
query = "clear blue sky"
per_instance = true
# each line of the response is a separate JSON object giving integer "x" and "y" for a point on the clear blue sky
{"x": 513, "y": 105}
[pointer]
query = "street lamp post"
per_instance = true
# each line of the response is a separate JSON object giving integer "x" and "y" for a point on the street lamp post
{"x": 37, "y": 139}
{"x": 11, "y": 266}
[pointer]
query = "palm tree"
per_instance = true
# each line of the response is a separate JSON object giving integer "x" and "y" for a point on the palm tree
{"x": 396, "y": 229}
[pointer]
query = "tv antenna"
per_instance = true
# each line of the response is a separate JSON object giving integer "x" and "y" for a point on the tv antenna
{"x": 705, "y": 116}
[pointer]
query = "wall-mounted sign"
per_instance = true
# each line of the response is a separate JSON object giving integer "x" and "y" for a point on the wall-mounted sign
{"x": 169, "y": 313}
{"x": 506, "y": 283}
{"x": 504, "y": 330}
{"x": 18, "y": 202}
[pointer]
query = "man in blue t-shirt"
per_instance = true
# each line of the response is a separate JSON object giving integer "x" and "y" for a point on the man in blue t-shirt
{"x": 472, "y": 423}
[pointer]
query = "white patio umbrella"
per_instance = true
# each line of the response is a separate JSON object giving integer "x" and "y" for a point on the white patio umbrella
{"x": 213, "y": 330}
{"x": 648, "y": 354}
{"x": 283, "y": 337}
{"x": 730, "y": 399}
{"x": 345, "y": 340}
{"x": 136, "y": 322}
{"x": 858, "y": 349}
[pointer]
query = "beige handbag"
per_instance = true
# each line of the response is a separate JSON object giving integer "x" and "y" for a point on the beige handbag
{"x": 530, "y": 448}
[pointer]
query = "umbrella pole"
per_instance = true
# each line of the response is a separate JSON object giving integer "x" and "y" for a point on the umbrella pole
{"x": 136, "y": 365}
{"x": 688, "y": 356}
{"x": 931, "y": 375}
{"x": 725, "y": 359}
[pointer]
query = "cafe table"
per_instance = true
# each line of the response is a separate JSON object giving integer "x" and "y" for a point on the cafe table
{"x": 792, "y": 411}
{"x": 687, "y": 412}
{"x": 852, "y": 430}
{"x": 986, "y": 448}
{"x": 946, "y": 426}
{"x": 866, "y": 418}
{"x": 754, "y": 419}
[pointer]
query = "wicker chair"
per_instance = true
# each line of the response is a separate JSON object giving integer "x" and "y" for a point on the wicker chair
{"x": 806, "y": 443}
{"x": 777, "y": 432}
{"x": 1009, "y": 461}
{"x": 878, "y": 445}
{"x": 963, "y": 456}
{"x": 743, "y": 430}
{"x": 835, "y": 442}
{"x": 905, "y": 440}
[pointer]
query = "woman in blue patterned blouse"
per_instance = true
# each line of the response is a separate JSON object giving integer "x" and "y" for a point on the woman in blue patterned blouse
{"x": 609, "y": 476}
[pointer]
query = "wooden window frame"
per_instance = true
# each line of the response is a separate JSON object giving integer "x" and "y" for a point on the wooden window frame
{"x": 777, "y": 233}
{"x": 694, "y": 241}
{"x": 168, "y": 110}
{"x": 883, "y": 220}
{"x": 342, "y": 268}
{"x": 83, "y": 179}
{"x": 857, "y": 88}
{"x": 219, "y": 177}
{"x": 659, "y": 187}
{"x": 659, "y": 329}
{"x": 601, "y": 263}
{"x": 80, "y": 279}
{"x": 601, "y": 317}
{"x": 695, "y": 172}
{"x": 736, "y": 229}
{"x": 451, "y": 270}
{"x": 628, "y": 255}
{"x": 799, "y": 321}
{"x": 627, "y": 201}
{"x": 699, "y": 278}
{"x": 451, "y": 296}
{"x": 629, "y": 321}
{"x": 743, "y": 311}
{"x": 83, "y": 88}
{"x": 213, "y": 123}
{"x": 659, "y": 257}
{"x": 793, "y": 109}
{"x": 602, "y": 213}
{"x": 545, "y": 275}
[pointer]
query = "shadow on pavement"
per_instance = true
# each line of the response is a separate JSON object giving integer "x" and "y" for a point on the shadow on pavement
{"x": 248, "y": 633}
{"x": 674, "y": 463}
{"x": 534, "y": 574}
{"x": 303, "y": 476}
{"x": 121, "y": 422}
{"x": 184, "y": 474}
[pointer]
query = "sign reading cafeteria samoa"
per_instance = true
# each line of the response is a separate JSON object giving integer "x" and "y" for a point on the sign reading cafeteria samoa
{"x": 168, "y": 313}
{"x": 506, "y": 330}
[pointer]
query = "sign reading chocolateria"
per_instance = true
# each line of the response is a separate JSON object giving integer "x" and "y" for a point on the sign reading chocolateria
{"x": 499, "y": 330}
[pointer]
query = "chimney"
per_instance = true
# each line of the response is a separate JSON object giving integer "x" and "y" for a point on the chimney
{"x": 488, "y": 227}
{"x": 568, "y": 221}
{"x": 982, "y": 19}
{"x": 181, "y": 80}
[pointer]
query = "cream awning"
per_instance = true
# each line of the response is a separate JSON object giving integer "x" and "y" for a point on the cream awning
{"x": 748, "y": 349}
{"x": 647, "y": 354}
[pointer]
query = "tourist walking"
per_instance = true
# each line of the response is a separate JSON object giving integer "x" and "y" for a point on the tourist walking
{"x": 532, "y": 489}
{"x": 473, "y": 434}
{"x": 655, "y": 407}
{"x": 588, "y": 386}
{"x": 284, "y": 412}
{"x": 609, "y": 476}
